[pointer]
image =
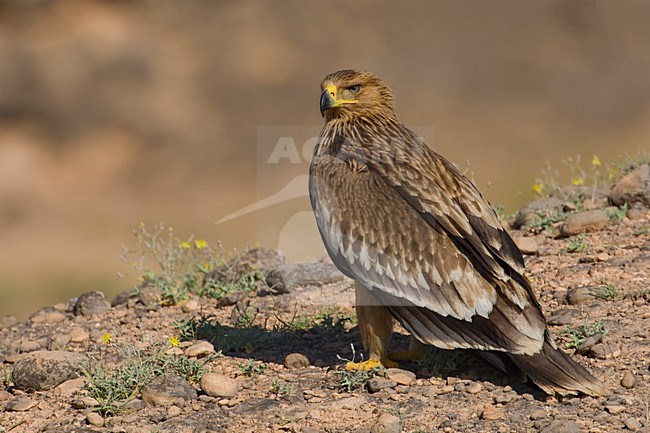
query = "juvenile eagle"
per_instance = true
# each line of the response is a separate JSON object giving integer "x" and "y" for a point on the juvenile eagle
{"x": 422, "y": 244}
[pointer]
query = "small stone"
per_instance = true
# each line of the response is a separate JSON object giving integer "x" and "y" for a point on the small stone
{"x": 174, "y": 411}
{"x": 4, "y": 395}
{"x": 43, "y": 370}
{"x": 491, "y": 413}
{"x": 562, "y": 317}
{"x": 605, "y": 351}
{"x": 376, "y": 384}
{"x": 589, "y": 343}
{"x": 95, "y": 419}
{"x": 199, "y": 349}
{"x": 167, "y": 389}
{"x": 583, "y": 295}
{"x": 582, "y": 222}
{"x": 615, "y": 409}
{"x": 69, "y": 387}
{"x": 219, "y": 385}
{"x": 629, "y": 380}
{"x": 474, "y": 388}
{"x": 526, "y": 245}
{"x": 633, "y": 424}
{"x": 562, "y": 426}
{"x": 537, "y": 414}
{"x": 53, "y": 317}
{"x": 387, "y": 423}
{"x": 20, "y": 404}
{"x": 191, "y": 305}
{"x": 445, "y": 390}
{"x": 78, "y": 335}
{"x": 29, "y": 346}
{"x": 294, "y": 275}
{"x": 91, "y": 303}
{"x": 402, "y": 377}
{"x": 633, "y": 188}
{"x": 296, "y": 360}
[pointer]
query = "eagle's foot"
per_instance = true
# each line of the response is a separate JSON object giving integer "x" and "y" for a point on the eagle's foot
{"x": 370, "y": 365}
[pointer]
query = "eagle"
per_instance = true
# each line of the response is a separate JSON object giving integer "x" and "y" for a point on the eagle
{"x": 423, "y": 245}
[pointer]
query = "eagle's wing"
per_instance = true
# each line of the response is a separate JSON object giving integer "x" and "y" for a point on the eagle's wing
{"x": 424, "y": 248}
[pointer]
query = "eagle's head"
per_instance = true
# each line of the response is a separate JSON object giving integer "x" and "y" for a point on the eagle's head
{"x": 351, "y": 93}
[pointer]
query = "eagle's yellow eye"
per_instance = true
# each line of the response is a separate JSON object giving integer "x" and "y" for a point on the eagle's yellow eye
{"x": 354, "y": 89}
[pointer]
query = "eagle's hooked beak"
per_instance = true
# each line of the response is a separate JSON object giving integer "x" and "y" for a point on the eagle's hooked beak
{"x": 327, "y": 99}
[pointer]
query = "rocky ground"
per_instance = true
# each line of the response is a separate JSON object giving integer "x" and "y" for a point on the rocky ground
{"x": 268, "y": 359}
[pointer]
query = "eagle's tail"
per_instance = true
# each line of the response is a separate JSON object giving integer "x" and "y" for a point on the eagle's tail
{"x": 555, "y": 372}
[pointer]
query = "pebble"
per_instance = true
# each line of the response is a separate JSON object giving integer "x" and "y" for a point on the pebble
{"x": 387, "y": 423}
{"x": 376, "y": 384}
{"x": 191, "y": 305}
{"x": 629, "y": 380}
{"x": 615, "y": 409}
{"x": 633, "y": 424}
{"x": 581, "y": 222}
{"x": 561, "y": 426}
{"x": 174, "y": 411}
{"x": 78, "y": 335}
{"x": 95, "y": 419}
{"x": 4, "y": 395}
{"x": 605, "y": 351}
{"x": 633, "y": 188}
{"x": 474, "y": 388}
{"x": 29, "y": 346}
{"x": 562, "y": 317}
{"x": 402, "y": 377}
{"x": 90, "y": 303}
{"x": 445, "y": 390}
{"x": 537, "y": 414}
{"x": 290, "y": 276}
{"x": 526, "y": 245}
{"x": 582, "y": 295}
{"x": 219, "y": 385}
{"x": 43, "y": 370}
{"x": 69, "y": 387}
{"x": 491, "y": 413}
{"x": 167, "y": 389}
{"x": 20, "y": 404}
{"x": 199, "y": 349}
{"x": 296, "y": 360}
{"x": 52, "y": 317}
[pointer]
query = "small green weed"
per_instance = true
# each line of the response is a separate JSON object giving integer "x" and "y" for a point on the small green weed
{"x": 577, "y": 244}
{"x": 177, "y": 268}
{"x": 544, "y": 220}
{"x": 350, "y": 380}
{"x": 578, "y": 335}
{"x": 113, "y": 388}
{"x": 251, "y": 368}
{"x": 607, "y": 291}
{"x": 279, "y": 387}
{"x": 618, "y": 214}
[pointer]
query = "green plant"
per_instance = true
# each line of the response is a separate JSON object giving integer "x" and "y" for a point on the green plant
{"x": 577, "y": 244}
{"x": 324, "y": 320}
{"x": 628, "y": 163}
{"x": 177, "y": 268}
{"x": 279, "y": 387}
{"x": 251, "y": 368}
{"x": 578, "y": 335}
{"x": 114, "y": 387}
{"x": 544, "y": 220}
{"x": 607, "y": 291}
{"x": 439, "y": 361}
{"x": 618, "y": 214}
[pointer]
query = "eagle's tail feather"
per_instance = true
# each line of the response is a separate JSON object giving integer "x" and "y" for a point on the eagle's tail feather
{"x": 555, "y": 372}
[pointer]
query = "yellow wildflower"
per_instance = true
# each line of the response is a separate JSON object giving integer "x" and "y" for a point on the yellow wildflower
{"x": 184, "y": 245}
{"x": 173, "y": 341}
{"x": 107, "y": 338}
{"x": 577, "y": 180}
{"x": 538, "y": 188}
{"x": 595, "y": 161}
{"x": 200, "y": 244}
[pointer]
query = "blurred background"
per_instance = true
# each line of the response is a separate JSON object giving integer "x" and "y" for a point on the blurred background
{"x": 114, "y": 113}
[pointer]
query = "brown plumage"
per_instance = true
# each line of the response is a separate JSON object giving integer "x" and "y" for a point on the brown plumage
{"x": 422, "y": 243}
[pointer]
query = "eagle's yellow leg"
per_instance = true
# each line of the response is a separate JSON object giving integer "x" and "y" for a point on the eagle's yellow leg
{"x": 376, "y": 328}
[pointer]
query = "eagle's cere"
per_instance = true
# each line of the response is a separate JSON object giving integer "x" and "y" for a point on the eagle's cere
{"x": 422, "y": 244}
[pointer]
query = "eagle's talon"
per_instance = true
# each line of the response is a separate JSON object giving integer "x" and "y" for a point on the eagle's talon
{"x": 370, "y": 365}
